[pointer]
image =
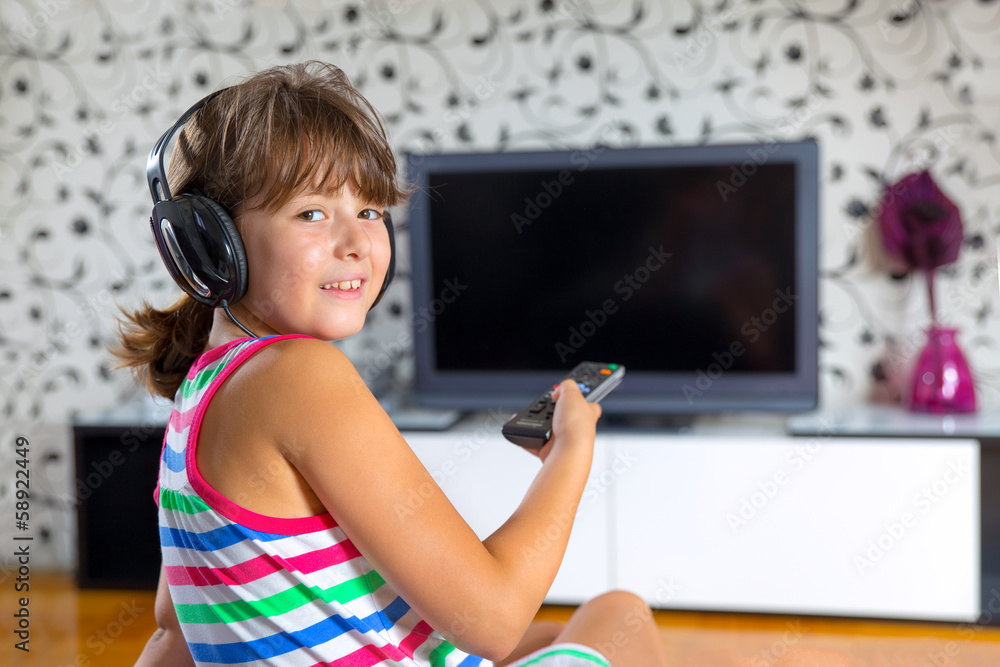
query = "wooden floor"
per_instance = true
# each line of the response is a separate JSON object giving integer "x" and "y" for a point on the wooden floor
{"x": 102, "y": 628}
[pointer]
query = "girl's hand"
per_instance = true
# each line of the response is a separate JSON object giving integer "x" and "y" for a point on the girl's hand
{"x": 574, "y": 418}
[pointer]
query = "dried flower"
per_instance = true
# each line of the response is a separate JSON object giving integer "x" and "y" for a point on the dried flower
{"x": 919, "y": 224}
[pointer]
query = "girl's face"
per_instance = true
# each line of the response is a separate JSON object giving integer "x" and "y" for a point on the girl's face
{"x": 316, "y": 265}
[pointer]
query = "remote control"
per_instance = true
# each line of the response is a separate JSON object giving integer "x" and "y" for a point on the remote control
{"x": 532, "y": 426}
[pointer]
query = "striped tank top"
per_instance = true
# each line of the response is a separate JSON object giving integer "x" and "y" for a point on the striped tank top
{"x": 261, "y": 590}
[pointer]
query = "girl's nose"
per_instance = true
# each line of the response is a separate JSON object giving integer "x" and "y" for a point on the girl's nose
{"x": 351, "y": 240}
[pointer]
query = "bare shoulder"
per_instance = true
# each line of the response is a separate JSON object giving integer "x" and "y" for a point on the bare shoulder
{"x": 298, "y": 366}
{"x": 313, "y": 396}
{"x": 304, "y": 350}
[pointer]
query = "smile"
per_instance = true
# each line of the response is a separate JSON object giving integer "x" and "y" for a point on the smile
{"x": 343, "y": 285}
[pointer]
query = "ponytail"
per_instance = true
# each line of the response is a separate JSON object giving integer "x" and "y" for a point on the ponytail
{"x": 160, "y": 345}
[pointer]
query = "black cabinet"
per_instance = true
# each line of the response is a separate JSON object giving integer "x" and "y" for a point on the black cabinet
{"x": 115, "y": 478}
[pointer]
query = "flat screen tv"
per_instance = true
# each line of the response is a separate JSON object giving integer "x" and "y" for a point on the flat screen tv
{"x": 694, "y": 266}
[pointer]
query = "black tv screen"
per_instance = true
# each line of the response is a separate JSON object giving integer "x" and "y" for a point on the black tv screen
{"x": 695, "y": 267}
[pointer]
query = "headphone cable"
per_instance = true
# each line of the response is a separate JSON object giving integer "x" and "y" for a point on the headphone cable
{"x": 225, "y": 306}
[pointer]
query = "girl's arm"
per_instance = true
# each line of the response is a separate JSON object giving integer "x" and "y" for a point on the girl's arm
{"x": 481, "y": 595}
{"x": 167, "y": 647}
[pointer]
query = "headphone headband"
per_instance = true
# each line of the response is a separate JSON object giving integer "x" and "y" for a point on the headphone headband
{"x": 156, "y": 173}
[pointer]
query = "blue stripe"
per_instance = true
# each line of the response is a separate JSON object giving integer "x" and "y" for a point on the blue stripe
{"x": 212, "y": 540}
{"x": 173, "y": 460}
{"x": 394, "y": 612}
{"x": 227, "y": 654}
{"x": 471, "y": 661}
{"x": 278, "y": 643}
{"x": 385, "y": 619}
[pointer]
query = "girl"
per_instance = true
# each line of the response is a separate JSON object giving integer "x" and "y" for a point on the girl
{"x": 281, "y": 476}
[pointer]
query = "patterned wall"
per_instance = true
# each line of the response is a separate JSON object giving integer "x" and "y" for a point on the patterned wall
{"x": 887, "y": 87}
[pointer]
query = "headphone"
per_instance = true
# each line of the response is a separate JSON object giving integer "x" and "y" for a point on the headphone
{"x": 199, "y": 242}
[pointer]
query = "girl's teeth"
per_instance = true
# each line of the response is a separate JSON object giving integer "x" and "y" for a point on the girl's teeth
{"x": 343, "y": 285}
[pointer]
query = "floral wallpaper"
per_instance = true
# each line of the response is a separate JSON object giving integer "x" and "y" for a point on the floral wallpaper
{"x": 886, "y": 87}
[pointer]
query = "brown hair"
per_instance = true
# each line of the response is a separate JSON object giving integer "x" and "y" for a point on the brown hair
{"x": 282, "y": 131}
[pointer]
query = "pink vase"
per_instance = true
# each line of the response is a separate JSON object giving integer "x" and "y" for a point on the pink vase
{"x": 942, "y": 381}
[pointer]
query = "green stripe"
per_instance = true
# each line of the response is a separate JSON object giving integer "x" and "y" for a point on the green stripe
{"x": 279, "y": 603}
{"x": 190, "y": 387}
{"x": 570, "y": 652}
{"x": 181, "y": 503}
{"x": 438, "y": 655}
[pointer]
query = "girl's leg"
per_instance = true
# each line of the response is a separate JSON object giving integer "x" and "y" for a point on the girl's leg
{"x": 619, "y": 625}
{"x": 538, "y": 634}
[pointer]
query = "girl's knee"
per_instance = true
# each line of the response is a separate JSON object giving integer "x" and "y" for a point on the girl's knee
{"x": 620, "y": 611}
{"x": 623, "y": 601}
{"x": 625, "y": 629}
{"x": 550, "y": 629}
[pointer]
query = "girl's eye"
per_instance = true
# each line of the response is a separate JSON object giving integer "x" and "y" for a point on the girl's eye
{"x": 312, "y": 215}
{"x": 370, "y": 214}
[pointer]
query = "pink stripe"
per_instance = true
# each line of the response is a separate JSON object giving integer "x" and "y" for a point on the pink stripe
{"x": 416, "y": 637}
{"x": 261, "y": 566}
{"x": 365, "y": 657}
{"x": 217, "y": 501}
{"x": 180, "y": 420}
{"x": 243, "y": 573}
{"x": 321, "y": 558}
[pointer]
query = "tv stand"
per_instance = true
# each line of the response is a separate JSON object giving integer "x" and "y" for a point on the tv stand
{"x": 661, "y": 423}
{"x": 737, "y": 514}
{"x": 409, "y": 417}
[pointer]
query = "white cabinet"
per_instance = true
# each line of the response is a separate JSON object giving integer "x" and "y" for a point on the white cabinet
{"x": 885, "y": 527}
{"x": 485, "y": 477}
{"x": 844, "y": 527}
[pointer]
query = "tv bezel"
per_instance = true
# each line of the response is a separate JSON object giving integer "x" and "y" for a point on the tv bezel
{"x": 640, "y": 393}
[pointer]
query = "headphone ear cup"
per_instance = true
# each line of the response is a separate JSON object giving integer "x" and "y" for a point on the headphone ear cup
{"x": 201, "y": 247}
{"x": 390, "y": 272}
{"x": 239, "y": 269}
